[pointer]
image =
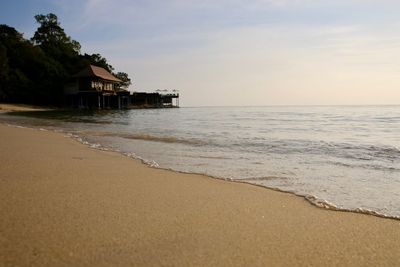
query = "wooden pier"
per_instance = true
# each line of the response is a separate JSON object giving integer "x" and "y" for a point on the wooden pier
{"x": 154, "y": 100}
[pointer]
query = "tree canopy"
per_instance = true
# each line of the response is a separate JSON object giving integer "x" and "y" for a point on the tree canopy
{"x": 50, "y": 34}
{"x": 35, "y": 71}
{"x": 98, "y": 60}
{"x": 126, "y": 81}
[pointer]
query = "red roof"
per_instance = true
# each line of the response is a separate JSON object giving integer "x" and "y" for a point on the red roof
{"x": 94, "y": 71}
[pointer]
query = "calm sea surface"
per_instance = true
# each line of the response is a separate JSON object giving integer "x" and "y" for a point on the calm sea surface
{"x": 338, "y": 156}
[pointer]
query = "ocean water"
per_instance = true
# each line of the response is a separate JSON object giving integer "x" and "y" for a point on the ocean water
{"x": 339, "y": 157}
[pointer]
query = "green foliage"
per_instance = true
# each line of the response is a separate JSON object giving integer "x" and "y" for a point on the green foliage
{"x": 55, "y": 43}
{"x": 35, "y": 71}
{"x": 98, "y": 60}
{"x": 4, "y": 70}
{"x": 28, "y": 72}
{"x": 50, "y": 34}
{"x": 126, "y": 81}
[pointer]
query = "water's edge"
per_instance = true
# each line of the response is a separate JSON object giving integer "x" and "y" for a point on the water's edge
{"x": 313, "y": 200}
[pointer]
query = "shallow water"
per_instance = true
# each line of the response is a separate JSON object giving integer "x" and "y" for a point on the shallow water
{"x": 348, "y": 156}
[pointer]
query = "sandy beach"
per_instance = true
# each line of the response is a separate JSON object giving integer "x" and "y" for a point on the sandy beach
{"x": 64, "y": 204}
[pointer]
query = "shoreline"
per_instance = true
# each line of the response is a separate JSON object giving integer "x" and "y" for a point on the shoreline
{"x": 205, "y": 221}
{"x": 5, "y": 107}
{"x": 311, "y": 199}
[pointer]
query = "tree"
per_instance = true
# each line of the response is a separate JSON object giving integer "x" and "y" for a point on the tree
{"x": 4, "y": 69}
{"x": 36, "y": 71}
{"x": 50, "y": 33}
{"x": 13, "y": 80}
{"x": 98, "y": 60}
{"x": 55, "y": 43}
{"x": 126, "y": 81}
{"x": 27, "y": 74}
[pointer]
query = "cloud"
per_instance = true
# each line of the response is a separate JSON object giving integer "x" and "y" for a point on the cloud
{"x": 287, "y": 52}
{"x": 269, "y": 62}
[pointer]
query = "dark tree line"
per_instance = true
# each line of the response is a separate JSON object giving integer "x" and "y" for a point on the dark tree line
{"x": 35, "y": 71}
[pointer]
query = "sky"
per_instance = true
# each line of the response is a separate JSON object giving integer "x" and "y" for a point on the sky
{"x": 236, "y": 52}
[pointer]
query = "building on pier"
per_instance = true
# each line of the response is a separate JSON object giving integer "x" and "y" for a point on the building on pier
{"x": 95, "y": 87}
{"x": 154, "y": 100}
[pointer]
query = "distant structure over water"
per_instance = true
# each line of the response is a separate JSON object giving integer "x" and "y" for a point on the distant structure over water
{"x": 96, "y": 88}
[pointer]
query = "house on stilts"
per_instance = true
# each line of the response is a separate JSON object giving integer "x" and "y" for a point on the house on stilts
{"x": 95, "y": 87}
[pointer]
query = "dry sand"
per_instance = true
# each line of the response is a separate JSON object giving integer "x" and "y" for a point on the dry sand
{"x": 64, "y": 204}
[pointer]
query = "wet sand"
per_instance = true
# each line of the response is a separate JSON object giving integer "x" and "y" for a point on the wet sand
{"x": 20, "y": 107}
{"x": 64, "y": 204}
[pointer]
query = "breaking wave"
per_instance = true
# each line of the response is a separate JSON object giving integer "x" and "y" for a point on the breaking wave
{"x": 153, "y": 138}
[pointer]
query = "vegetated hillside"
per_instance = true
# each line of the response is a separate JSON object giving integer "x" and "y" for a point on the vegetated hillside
{"x": 35, "y": 71}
